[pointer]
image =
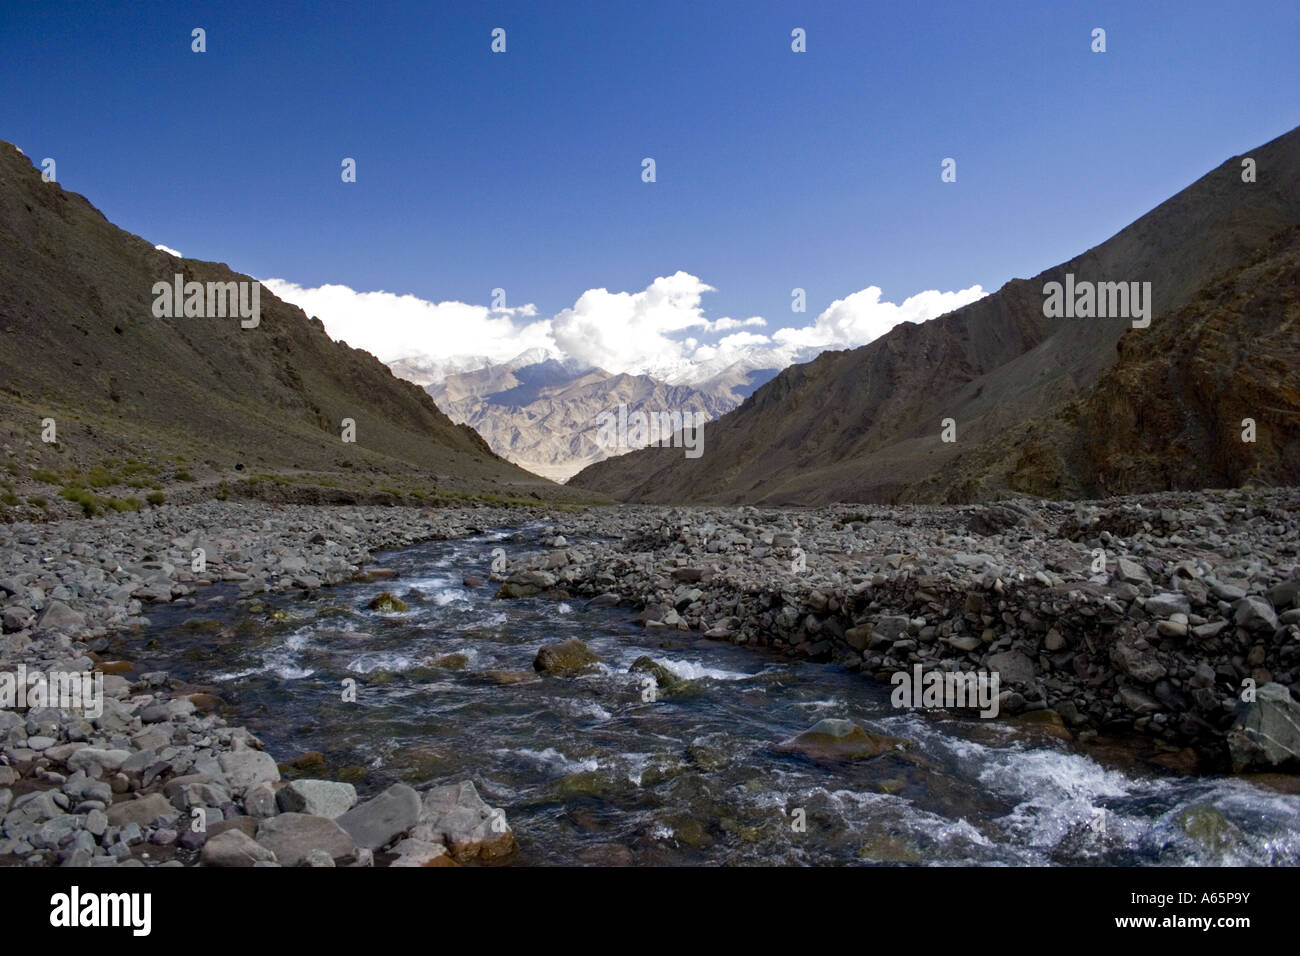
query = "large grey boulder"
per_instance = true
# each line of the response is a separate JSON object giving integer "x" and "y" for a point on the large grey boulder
{"x": 107, "y": 760}
{"x": 379, "y": 821}
{"x": 456, "y": 816}
{"x": 1012, "y": 667}
{"x": 1254, "y": 614}
{"x": 321, "y": 798}
{"x": 144, "y": 811}
{"x": 57, "y": 616}
{"x": 244, "y": 768}
{"x": 291, "y": 836}
{"x": 1285, "y": 593}
{"x": 234, "y": 847}
{"x": 1267, "y": 733}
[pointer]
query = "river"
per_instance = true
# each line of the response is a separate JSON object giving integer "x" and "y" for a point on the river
{"x": 589, "y": 771}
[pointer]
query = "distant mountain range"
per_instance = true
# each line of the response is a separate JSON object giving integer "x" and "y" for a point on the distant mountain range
{"x": 996, "y": 398}
{"x": 543, "y": 413}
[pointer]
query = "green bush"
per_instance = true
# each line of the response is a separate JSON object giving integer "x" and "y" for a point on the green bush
{"x": 155, "y": 498}
{"x": 90, "y": 504}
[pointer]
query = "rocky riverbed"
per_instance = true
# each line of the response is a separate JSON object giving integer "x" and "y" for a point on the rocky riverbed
{"x": 1150, "y": 642}
{"x": 1175, "y": 618}
{"x": 158, "y": 778}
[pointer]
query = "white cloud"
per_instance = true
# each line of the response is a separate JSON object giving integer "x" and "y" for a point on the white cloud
{"x": 170, "y": 251}
{"x": 861, "y": 318}
{"x": 617, "y": 331}
{"x": 395, "y": 326}
{"x": 740, "y": 340}
{"x": 627, "y": 331}
{"x": 723, "y": 325}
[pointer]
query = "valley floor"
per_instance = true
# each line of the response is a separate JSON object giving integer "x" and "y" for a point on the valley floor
{"x": 1166, "y": 626}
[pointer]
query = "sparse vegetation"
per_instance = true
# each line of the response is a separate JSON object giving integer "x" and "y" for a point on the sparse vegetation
{"x": 92, "y": 504}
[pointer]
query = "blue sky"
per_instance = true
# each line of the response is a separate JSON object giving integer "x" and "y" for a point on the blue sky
{"x": 523, "y": 170}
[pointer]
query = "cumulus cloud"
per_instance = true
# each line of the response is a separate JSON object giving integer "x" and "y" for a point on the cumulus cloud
{"x": 170, "y": 251}
{"x": 660, "y": 330}
{"x": 622, "y": 331}
{"x": 861, "y": 318}
{"x": 740, "y": 340}
{"x": 392, "y": 326}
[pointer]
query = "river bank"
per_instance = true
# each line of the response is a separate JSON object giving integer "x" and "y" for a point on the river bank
{"x": 1198, "y": 594}
{"x": 158, "y": 777}
{"x": 1172, "y": 617}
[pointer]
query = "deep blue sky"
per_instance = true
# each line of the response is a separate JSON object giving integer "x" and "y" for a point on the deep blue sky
{"x": 522, "y": 170}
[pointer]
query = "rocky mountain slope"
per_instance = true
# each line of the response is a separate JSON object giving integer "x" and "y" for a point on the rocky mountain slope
{"x": 1045, "y": 406}
{"x": 143, "y": 402}
{"x": 544, "y": 416}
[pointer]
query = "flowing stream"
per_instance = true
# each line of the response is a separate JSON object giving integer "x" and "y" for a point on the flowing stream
{"x": 590, "y": 772}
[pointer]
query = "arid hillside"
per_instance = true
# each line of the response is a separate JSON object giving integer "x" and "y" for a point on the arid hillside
{"x": 1035, "y": 402}
{"x": 141, "y": 402}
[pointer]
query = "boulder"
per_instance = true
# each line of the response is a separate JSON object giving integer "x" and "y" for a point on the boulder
{"x": 456, "y": 816}
{"x": 421, "y": 853}
{"x": 290, "y": 836}
{"x": 386, "y": 603}
{"x": 379, "y": 821}
{"x": 1254, "y": 614}
{"x": 320, "y": 798}
{"x": 834, "y": 739}
{"x": 234, "y": 847}
{"x": 1131, "y": 572}
{"x": 1266, "y": 735}
{"x": 259, "y": 800}
{"x": 57, "y": 616}
{"x": 1167, "y": 604}
{"x": 244, "y": 768}
{"x": 1286, "y": 593}
{"x": 106, "y": 760}
{"x": 666, "y": 680}
{"x": 565, "y": 659}
{"x": 144, "y": 811}
{"x": 1139, "y": 664}
{"x": 1012, "y": 667}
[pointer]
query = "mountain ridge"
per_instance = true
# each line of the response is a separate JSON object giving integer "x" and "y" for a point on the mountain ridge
{"x": 546, "y": 417}
{"x": 80, "y": 343}
{"x": 865, "y": 424}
